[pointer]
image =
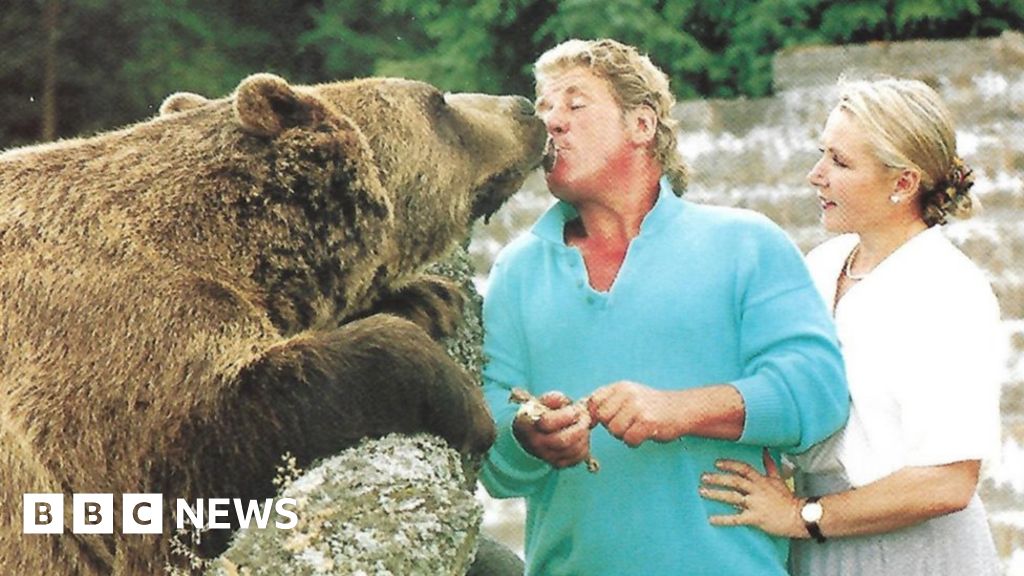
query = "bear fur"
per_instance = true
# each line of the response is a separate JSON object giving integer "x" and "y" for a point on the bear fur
{"x": 187, "y": 299}
{"x": 402, "y": 504}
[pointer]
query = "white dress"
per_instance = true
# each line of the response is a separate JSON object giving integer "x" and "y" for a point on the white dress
{"x": 924, "y": 357}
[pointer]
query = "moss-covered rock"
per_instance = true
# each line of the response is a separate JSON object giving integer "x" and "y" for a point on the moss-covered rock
{"x": 392, "y": 506}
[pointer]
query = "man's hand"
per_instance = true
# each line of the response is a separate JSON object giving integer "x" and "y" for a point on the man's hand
{"x": 558, "y": 432}
{"x": 635, "y": 413}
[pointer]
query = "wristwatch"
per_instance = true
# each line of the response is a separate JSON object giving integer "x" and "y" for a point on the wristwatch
{"x": 811, "y": 513}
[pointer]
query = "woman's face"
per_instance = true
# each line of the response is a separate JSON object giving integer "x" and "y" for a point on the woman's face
{"x": 853, "y": 185}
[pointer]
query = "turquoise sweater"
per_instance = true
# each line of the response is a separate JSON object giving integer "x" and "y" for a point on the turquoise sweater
{"x": 706, "y": 295}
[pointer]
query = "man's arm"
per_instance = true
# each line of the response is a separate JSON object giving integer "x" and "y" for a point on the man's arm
{"x": 634, "y": 413}
{"x": 509, "y": 470}
{"x": 794, "y": 382}
{"x": 792, "y": 392}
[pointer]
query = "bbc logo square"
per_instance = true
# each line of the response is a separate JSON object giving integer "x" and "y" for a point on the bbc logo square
{"x": 92, "y": 513}
{"x": 142, "y": 513}
{"x": 43, "y": 513}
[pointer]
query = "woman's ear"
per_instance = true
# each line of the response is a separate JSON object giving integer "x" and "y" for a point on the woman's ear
{"x": 907, "y": 184}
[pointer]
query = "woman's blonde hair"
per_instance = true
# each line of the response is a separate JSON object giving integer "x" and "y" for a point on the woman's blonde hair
{"x": 911, "y": 128}
{"x": 635, "y": 82}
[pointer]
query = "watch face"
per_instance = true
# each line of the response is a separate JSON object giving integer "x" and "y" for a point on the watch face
{"x": 811, "y": 512}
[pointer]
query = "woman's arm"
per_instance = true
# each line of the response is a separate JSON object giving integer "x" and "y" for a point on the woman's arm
{"x": 906, "y": 497}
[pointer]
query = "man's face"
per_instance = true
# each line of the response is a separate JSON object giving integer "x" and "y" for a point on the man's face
{"x": 587, "y": 133}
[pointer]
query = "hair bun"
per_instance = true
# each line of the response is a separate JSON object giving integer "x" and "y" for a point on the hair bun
{"x": 960, "y": 178}
{"x": 951, "y": 196}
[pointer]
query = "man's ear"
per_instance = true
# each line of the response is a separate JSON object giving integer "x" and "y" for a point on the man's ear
{"x": 643, "y": 124}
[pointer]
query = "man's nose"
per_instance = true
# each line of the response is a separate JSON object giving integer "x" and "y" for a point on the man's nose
{"x": 554, "y": 121}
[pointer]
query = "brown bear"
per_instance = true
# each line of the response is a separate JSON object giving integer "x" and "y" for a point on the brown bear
{"x": 187, "y": 299}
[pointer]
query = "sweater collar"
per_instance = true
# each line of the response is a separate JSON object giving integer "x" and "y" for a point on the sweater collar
{"x": 551, "y": 225}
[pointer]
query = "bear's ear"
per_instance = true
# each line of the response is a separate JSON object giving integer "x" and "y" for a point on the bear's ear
{"x": 266, "y": 105}
{"x": 182, "y": 101}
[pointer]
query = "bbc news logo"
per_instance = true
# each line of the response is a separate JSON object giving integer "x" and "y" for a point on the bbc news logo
{"x": 143, "y": 513}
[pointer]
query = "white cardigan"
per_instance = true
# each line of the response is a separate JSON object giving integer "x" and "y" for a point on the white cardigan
{"x": 925, "y": 359}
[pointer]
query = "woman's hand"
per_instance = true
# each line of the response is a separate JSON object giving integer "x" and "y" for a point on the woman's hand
{"x": 763, "y": 501}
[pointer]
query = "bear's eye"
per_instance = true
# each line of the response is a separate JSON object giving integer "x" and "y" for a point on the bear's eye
{"x": 438, "y": 102}
{"x": 445, "y": 119}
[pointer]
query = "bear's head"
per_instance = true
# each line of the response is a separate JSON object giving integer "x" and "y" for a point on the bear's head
{"x": 425, "y": 143}
{"x": 384, "y": 172}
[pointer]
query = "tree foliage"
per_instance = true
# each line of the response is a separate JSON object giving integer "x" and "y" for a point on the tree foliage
{"x": 118, "y": 58}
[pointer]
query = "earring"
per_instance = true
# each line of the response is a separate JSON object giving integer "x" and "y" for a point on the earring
{"x": 894, "y": 198}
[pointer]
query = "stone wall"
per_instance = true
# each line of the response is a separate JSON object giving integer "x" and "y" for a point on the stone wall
{"x": 756, "y": 154}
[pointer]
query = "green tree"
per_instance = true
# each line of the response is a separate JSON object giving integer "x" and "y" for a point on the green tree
{"x": 466, "y": 45}
{"x": 117, "y": 59}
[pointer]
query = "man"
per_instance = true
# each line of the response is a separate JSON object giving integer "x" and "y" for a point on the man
{"x": 694, "y": 332}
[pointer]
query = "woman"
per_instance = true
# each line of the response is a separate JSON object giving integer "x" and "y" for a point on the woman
{"x": 894, "y": 491}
